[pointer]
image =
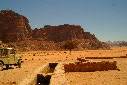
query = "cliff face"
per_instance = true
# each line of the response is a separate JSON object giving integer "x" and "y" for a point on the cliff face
{"x": 62, "y": 33}
{"x": 16, "y": 32}
{"x": 13, "y": 26}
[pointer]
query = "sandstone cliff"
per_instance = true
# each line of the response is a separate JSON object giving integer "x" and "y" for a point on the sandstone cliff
{"x": 62, "y": 33}
{"x": 13, "y": 26}
{"x": 16, "y": 32}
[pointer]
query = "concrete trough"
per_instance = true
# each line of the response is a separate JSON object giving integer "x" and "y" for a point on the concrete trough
{"x": 31, "y": 79}
{"x": 58, "y": 78}
{"x": 54, "y": 73}
{"x": 44, "y": 77}
{"x": 42, "y": 74}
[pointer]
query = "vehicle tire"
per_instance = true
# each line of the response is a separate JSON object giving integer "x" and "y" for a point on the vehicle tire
{"x": 7, "y": 67}
{"x": 19, "y": 63}
{"x": 1, "y": 66}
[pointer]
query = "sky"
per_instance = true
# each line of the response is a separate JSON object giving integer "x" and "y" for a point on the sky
{"x": 107, "y": 19}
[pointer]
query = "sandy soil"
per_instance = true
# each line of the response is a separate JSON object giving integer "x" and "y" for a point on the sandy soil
{"x": 111, "y": 77}
{"x": 33, "y": 60}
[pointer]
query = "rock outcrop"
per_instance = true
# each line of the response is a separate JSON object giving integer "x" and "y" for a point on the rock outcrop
{"x": 13, "y": 26}
{"x": 62, "y": 33}
{"x": 16, "y": 32}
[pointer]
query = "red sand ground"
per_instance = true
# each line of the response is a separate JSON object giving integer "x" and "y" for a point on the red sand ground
{"x": 32, "y": 62}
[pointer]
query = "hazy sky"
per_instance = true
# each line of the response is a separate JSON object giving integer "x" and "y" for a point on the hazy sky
{"x": 107, "y": 19}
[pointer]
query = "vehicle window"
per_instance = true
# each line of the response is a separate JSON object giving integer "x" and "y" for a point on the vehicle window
{"x": 0, "y": 52}
{"x": 5, "y": 52}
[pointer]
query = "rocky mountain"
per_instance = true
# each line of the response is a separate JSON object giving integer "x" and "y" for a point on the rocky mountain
{"x": 13, "y": 26}
{"x": 62, "y": 33}
{"x": 16, "y": 32}
{"x": 117, "y": 43}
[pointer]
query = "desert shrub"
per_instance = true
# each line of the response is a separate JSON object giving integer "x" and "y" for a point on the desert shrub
{"x": 69, "y": 45}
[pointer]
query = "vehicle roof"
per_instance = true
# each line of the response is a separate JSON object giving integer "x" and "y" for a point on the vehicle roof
{"x": 7, "y": 48}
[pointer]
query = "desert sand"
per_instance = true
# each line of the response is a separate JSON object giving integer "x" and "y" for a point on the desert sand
{"x": 35, "y": 59}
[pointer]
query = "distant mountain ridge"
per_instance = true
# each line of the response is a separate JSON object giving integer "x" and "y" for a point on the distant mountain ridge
{"x": 117, "y": 43}
{"x": 16, "y": 32}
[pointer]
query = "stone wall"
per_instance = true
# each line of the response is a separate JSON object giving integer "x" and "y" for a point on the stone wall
{"x": 90, "y": 66}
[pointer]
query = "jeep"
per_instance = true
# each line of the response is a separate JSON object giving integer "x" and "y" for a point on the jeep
{"x": 9, "y": 57}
